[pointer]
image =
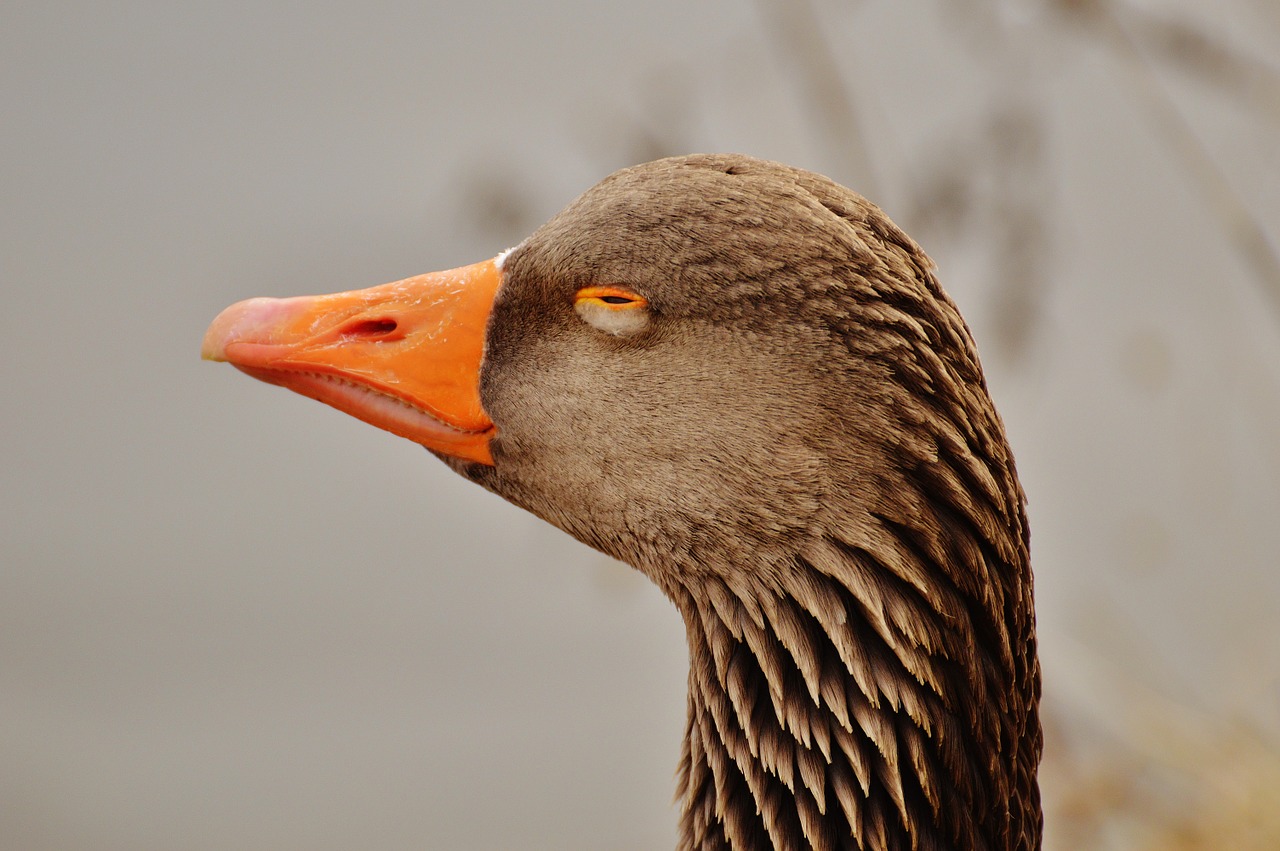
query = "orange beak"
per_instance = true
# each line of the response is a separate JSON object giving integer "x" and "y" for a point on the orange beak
{"x": 404, "y": 356}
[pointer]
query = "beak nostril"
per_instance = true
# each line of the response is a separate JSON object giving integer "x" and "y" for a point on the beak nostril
{"x": 371, "y": 328}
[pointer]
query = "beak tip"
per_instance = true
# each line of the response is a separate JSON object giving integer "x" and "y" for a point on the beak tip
{"x": 212, "y": 348}
{"x": 221, "y": 332}
{"x": 246, "y": 320}
{"x": 214, "y": 345}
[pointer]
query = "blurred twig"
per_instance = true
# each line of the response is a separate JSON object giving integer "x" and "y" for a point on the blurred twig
{"x": 1190, "y": 50}
{"x": 496, "y": 199}
{"x": 832, "y": 107}
{"x": 659, "y": 125}
{"x": 987, "y": 182}
{"x": 1021, "y": 229}
{"x": 1134, "y": 769}
{"x": 1113, "y": 25}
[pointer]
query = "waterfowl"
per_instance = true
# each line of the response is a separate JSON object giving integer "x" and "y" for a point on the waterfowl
{"x": 745, "y": 381}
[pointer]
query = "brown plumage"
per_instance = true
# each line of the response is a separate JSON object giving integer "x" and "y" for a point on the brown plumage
{"x": 789, "y": 432}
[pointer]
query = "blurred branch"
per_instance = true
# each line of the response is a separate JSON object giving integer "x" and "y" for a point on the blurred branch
{"x": 496, "y": 200}
{"x": 1136, "y": 769}
{"x": 1111, "y": 25}
{"x": 832, "y": 107}
{"x": 660, "y": 125}
{"x": 1189, "y": 49}
{"x": 988, "y": 181}
{"x": 1022, "y": 241}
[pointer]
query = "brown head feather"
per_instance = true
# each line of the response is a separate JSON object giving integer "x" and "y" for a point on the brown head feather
{"x": 800, "y": 449}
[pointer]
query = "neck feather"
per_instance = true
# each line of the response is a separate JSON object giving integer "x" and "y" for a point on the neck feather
{"x": 859, "y": 696}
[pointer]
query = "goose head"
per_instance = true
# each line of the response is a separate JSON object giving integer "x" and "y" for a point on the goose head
{"x": 744, "y": 380}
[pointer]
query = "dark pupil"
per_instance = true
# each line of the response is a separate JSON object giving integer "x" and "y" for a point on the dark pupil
{"x": 615, "y": 299}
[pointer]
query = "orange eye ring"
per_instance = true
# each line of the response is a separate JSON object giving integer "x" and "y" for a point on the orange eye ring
{"x": 610, "y": 298}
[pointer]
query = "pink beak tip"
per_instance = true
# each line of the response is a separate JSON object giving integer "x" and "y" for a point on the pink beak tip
{"x": 251, "y": 320}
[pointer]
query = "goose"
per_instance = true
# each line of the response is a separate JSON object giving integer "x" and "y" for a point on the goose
{"x": 745, "y": 381}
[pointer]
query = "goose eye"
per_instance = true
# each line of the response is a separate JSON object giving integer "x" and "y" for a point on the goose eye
{"x": 614, "y": 310}
{"x": 612, "y": 297}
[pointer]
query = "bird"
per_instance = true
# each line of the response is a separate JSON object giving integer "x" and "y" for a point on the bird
{"x": 745, "y": 381}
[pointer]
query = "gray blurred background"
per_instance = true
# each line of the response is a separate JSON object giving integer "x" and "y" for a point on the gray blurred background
{"x": 233, "y": 618}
